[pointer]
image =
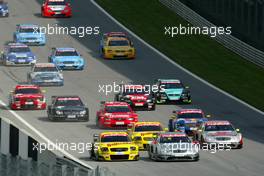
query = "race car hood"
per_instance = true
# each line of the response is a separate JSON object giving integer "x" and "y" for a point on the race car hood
{"x": 117, "y": 144}
{"x": 146, "y": 133}
{"x": 119, "y": 47}
{"x": 221, "y": 133}
{"x": 46, "y": 75}
{"x": 30, "y": 35}
{"x": 169, "y": 147}
{"x": 136, "y": 97}
{"x": 68, "y": 58}
{"x": 74, "y": 108}
{"x": 25, "y": 96}
{"x": 173, "y": 92}
{"x": 57, "y": 7}
{"x": 121, "y": 115}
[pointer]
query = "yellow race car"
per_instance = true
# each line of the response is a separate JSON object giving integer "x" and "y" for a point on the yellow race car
{"x": 143, "y": 133}
{"x": 117, "y": 47}
{"x": 109, "y": 146}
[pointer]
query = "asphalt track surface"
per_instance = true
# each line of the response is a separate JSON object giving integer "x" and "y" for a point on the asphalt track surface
{"x": 147, "y": 66}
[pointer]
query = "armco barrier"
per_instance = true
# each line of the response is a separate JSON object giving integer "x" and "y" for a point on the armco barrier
{"x": 18, "y": 158}
{"x": 241, "y": 48}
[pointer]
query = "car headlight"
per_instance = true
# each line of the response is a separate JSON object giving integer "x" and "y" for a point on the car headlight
{"x": 149, "y": 100}
{"x": 104, "y": 149}
{"x": 133, "y": 148}
{"x": 131, "y": 119}
{"x": 209, "y": 138}
{"x": 107, "y": 119}
{"x": 59, "y": 112}
{"x": 83, "y": 112}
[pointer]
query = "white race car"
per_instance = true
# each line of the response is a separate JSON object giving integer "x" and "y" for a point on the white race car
{"x": 219, "y": 133}
{"x": 171, "y": 146}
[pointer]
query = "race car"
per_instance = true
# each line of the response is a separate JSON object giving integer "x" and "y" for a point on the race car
{"x": 138, "y": 96}
{"x": 45, "y": 74}
{"x": 172, "y": 90}
{"x": 115, "y": 115}
{"x": 67, "y": 108}
{"x": 143, "y": 133}
{"x": 29, "y": 34}
{"x": 114, "y": 146}
{"x": 17, "y": 54}
{"x": 186, "y": 120}
{"x": 66, "y": 58}
{"x": 4, "y": 10}
{"x": 172, "y": 146}
{"x": 117, "y": 48}
{"x": 56, "y": 8}
{"x": 219, "y": 133}
{"x": 27, "y": 97}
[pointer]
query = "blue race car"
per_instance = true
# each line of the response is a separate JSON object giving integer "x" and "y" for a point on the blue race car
{"x": 17, "y": 54}
{"x": 67, "y": 58}
{"x": 29, "y": 34}
{"x": 172, "y": 90}
{"x": 4, "y": 11}
{"x": 187, "y": 120}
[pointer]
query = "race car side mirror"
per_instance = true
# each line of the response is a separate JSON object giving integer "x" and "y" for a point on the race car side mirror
{"x": 238, "y": 130}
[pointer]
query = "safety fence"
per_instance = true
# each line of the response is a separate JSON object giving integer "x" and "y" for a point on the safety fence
{"x": 18, "y": 158}
{"x": 241, "y": 48}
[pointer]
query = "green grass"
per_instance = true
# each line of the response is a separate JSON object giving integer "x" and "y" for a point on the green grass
{"x": 199, "y": 54}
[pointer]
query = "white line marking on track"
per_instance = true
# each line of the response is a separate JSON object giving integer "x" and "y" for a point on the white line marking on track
{"x": 44, "y": 137}
{"x": 175, "y": 64}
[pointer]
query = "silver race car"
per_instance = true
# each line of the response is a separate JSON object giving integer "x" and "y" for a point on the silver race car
{"x": 219, "y": 133}
{"x": 45, "y": 74}
{"x": 171, "y": 146}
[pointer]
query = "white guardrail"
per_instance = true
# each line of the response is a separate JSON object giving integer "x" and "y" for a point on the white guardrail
{"x": 241, "y": 48}
{"x": 18, "y": 157}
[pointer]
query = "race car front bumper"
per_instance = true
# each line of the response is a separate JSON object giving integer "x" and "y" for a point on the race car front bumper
{"x": 119, "y": 156}
{"x": 32, "y": 42}
{"x": 56, "y": 14}
{"x": 19, "y": 106}
{"x": 177, "y": 157}
{"x": 68, "y": 118}
{"x": 16, "y": 63}
{"x": 4, "y": 13}
{"x": 70, "y": 66}
{"x": 48, "y": 83}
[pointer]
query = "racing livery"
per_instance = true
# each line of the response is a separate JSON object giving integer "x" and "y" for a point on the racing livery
{"x": 4, "y": 11}
{"x": 172, "y": 90}
{"x": 117, "y": 47}
{"x": 143, "y": 133}
{"x": 67, "y": 108}
{"x": 29, "y": 34}
{"x": 17, "y": 54}
{"x": 170, "y": 146}
{"x": 45, "y": 74}
{"x": 118, "y": 35}
{"x": 138, "y": 96}
{"x": 27, "y": 97}
{"x": 56, "y": 8}
{"x": 112, "y": 146}
{"x": 186, "y": 120}
{"x": 219, "y": 132}
{"x": 115, "y": 114}
{"x": 66, "y": 58}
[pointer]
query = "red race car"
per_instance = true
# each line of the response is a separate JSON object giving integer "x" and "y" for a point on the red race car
{"x": 115, "y": 114}
{"x": 27, "y": 97}
{"x": 56, "y": 8}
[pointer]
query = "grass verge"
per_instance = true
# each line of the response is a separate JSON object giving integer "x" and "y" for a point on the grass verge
{"x": 199, "y": 54}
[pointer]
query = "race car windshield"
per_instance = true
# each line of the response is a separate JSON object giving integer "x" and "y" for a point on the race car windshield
{"x": 148, "y": 128}
{"x": 45, "y": 69}
{"x": 29, "y": 30}
{"x": 68, "y": 103}
{"x": 113, "y": 109}
{"x": 172, "y": 86}
{"x": 66, "y": 53}
{"x": 19, "y": 50}
{"x": 136, "y": 91}
{"x": 190, "y": 116}
{"x": 115, "y": 139}
{"x": 219, "y": 128}
{"x": 177, "y": 139}
{"x": 118, "y": 43}
{"x": 57, "y": 3}
{"x": 27, "y": 91}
